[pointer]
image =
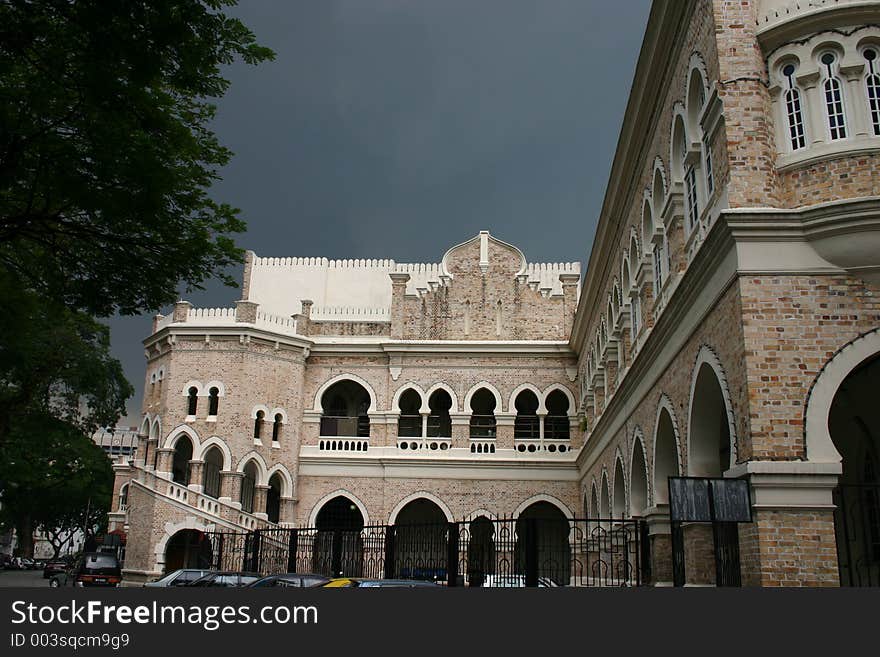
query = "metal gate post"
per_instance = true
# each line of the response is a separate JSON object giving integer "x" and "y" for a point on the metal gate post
{"x": 389, "y": 569}
{"x": 678, "y": 574}
{"x": 258, "y": 543}
{"x": 531, "y": 540}
{"x": 452, "y": 555}
{"x": 219, "y": 557}
{"x": 292, "y": 541}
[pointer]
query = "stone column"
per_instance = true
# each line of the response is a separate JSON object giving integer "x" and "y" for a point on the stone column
{"x": 461, "y": 430}
{"x": 230, "y": 487}
{"x": 196, "y": 468}
{"x": 857, "y": 118}
{"x": 246, "y": 311}
{"x": 569, "y": 299}
{"x": 163, "y": 465}
{"x": 791, "y": 541}
{"x": 260, "y": 494}
{"x": 304, "y": 318}
{"x": 398, "y": 292}
{"x": 504, "y": 430}
{"x": 660, "y": 536}
{"x": 181, "y": 311}
{"x": 813, "y": 107}
{"x": 287, "y": 514}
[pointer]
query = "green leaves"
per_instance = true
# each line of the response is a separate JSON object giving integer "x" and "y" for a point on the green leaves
{"x": 106, "y": 155}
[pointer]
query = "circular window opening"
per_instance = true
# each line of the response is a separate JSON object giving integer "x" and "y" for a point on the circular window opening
{"x": 788, "y": 71}
{"x": 403, "y": 445}
{"x": 531, "y": 448}
{"x": 521, "y": 448}
{"x": 870, "y": 54}
{"x": 828, "y": 58}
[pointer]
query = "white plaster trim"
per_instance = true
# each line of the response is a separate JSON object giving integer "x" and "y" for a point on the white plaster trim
{"x": 706, "y": 356}
{"x": 422, "y": 494}
{"x": 287, "y": 489}
{"x": 374, "y": 405}
{"x": 262, "y": 468}
{"x": 819, "y": 446}
{"x": 542, "y": 497}
{"x": 511, "y": 403}
{"x": 639, "y": 443}
{"x": 340, "y": 492}
{"x": 221, "y": 445}
{"x": 409, "y": 385}
{"x": 490, "y": 388}
{"x": 443, "y": 386}
{"x": 173, "y": 435}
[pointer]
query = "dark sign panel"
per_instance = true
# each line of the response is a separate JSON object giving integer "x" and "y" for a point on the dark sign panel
{"x": 731, "y": 500}
{"x": 689, "y": 500}
{"x": 698, "y": 499}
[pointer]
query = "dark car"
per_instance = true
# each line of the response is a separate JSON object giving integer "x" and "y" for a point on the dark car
{"x": 227, "y": 578}
{"x": 299, "y": 580}
{"x": 351, "y": 582}
{"x": 182, "y": 577}
{"x": 91, "y": 569}
{"x": 55, "y": 567}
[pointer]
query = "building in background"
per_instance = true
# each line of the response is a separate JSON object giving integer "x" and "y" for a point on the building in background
{"x": 727, "y": 326}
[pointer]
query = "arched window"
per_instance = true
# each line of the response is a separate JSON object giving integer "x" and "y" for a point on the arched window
{"x": 192, "y": 401}
{"x": 409, "y": 423}
{"x": 345, "y": 407}
{"x": 123, "y": 498}
{"x": 710, "y": 176}
{"x": 211, "y": 472}
{"x": 213, "y": 401}
{"x": 482, "y": 423}
{"x": 793, "y": 110}
{"x": 439, "y": 422}
{"x": 273, "y": 499}
{"x": 258, "y": 425}
{"x": 690, "y": 186}
{"x": 248, "y": 487}
{"x": 833, "y": 98}
{"x": 556, "y": 424}
{"x": 276, "y": 428}
{"x": 180, "y": 462}
{"x": 526, "y": 424}
{"x": 872, "y": 83}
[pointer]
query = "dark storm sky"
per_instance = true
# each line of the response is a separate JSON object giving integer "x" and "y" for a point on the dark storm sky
{"x": 397, "y": 128}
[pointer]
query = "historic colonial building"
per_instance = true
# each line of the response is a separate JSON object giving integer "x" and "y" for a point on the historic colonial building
{"x": 727, "y": 325}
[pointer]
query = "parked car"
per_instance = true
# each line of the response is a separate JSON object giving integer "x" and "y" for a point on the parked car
{"x": 352, "y": 582}
{"x": 91, "y": 569}
{"x": 181, "y": 577}
{"x": 299, "y": 580}
{"x": 226, "y": 578}
{"x": 55, "y": 566}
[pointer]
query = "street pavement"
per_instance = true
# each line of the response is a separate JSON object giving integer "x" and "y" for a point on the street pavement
{"x": 28, "y": 578}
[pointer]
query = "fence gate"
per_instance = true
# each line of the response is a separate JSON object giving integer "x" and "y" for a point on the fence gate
{"x": 483, "y": 552}
{"x": 857, "y": 529}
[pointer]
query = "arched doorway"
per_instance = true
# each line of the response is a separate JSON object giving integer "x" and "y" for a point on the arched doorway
{"x": 180, "y": 463}
{"x": 211, "y": 472}
{"x": 619, "y": 499}
{"x": 854, "y": 425}
{"x": 480, "y": 550}
{"x": 665, "y": 457}
{"x": 248, "y": 487}
{"x": 345, "y": 407}
{"x": 638, "y": 482}
{"x": 542, "y": 532}
{"x": 338, "y": 546}
{"x": 709, "y": 452}
{"x": 420, "y": 541}
{"x": 273, "y": 499}
{"x": 556, "y": 424}
{"x": 482, "y": 422}
{"x": 188, "y": 548}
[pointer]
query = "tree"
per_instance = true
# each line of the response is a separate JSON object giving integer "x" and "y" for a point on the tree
{"x": 106, "y": 154}
{"x": 54, "y": 362}
{"x": 51, "y": 473}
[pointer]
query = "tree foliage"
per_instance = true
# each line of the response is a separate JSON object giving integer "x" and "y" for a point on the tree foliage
{"x": 106, "y": 151}
{"x": 51, "y": 472}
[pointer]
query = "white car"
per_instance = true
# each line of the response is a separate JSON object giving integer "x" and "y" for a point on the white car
{"x": 513, "y": 581}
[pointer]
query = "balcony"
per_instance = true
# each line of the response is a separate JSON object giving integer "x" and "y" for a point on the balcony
{"x": 345, "y": 426}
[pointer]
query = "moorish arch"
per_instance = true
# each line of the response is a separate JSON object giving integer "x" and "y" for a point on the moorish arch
{"x": 711, "y": 438}
{"x": 511, "y": 402}
{"x": 819, "y": 444}
{"x": 259, "y": 464}
{"x": 638, "y": 477}
{"x": 618, "y": 500}
{"x": 543, "y": 497}
{"x": 423, "y": 399}
{"x": 341, "y": 492}
{"x": 667, "y": 451}
{"x": 286, "y": 479}
{"x": 483, "y": 385}
{"x": 373, "y": 405}
{"x": 444, "y": 386}
{"x": 217, "y": 443}
{"x": 171, "y": 529}
{"x": 414, "y": 497}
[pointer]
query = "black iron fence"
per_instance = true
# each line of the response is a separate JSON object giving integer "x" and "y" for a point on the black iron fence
{"x": 857, "y": 525}
{"x": 483, "y": 552}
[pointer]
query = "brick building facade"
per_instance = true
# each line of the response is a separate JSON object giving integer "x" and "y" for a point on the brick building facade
{"x": 727, "y": 326}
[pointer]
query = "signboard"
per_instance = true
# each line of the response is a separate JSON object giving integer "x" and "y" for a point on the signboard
{"x": 701, "y": 499}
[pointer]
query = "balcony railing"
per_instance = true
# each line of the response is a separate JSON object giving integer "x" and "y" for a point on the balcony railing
{"x": 526, "y": 427}
{"x": 483, "y": 427}
{"x": 439, "y": 426}
{"x": 351, "y": 427}
{"x": 556, "y": 427}
{"x": 409, "y": 426}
